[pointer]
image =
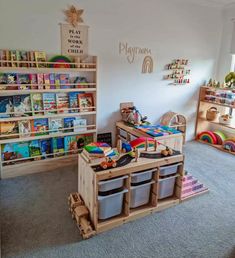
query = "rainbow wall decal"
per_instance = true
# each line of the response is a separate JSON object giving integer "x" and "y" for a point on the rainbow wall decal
{"x": 147, "y": 66}
{"x": 208, "y": 136}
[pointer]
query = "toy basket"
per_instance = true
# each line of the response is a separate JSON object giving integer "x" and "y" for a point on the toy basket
{"x": 225, "y": 119}
{"x": 212, "y": 114}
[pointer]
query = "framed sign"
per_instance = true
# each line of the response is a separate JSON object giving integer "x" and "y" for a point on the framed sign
{"x": 74, "y": 40}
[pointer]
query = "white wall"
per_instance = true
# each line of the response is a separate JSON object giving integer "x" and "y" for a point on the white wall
{"x": 170, "y": 28}
{"x": 225, "y": 56}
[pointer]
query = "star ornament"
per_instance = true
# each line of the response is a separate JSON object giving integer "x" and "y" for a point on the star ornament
{"x": 73, "y": 16}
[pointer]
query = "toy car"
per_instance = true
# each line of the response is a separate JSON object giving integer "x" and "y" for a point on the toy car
{"x": 108, "y": 163}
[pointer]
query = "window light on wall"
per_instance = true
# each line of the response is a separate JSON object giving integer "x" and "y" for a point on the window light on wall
{"x": 232, "y": 50}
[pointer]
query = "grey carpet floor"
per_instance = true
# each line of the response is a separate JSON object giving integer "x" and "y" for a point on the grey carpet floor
{"x": 36, "y": 223}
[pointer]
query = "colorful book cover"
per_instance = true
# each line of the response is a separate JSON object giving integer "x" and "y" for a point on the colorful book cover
{"x": 24, "y": 128}
{"x": 70, "y": 144}
{"x": 49, "y": 103}
{"x": 85, "y": 102}
{"x": 68, "y": 123}
{"x": 37, "y": 103}
{"x": 62, "y": 101}
{"x": 40, "y": 58}
{"x": 80, "y": 82}
{"x": 55, "y": 125}
{"x": 3, "y": 57}
{"x": 12, "y": 79}
{"x": 52, "y": 80}
{"x": 73, "y": 102}
{"x": 6, "y": 106}
{"x": 8, "y": 130}
{"x": 7, "y": 151}
{"x": 83, "y": 140}
{"x": 40, "y": 80}
{"x": 46, "y": 148}
{"x": 57, "y": 81}
{"x": 24, "y": 81}
{"x": 64, "y": 79}
{"x": 22, "y": 105}
{"x": 79, "y": 125}
{"x": 34, "y": 148}
{"x": 3, "y": 81}
{"x": 13, "y": 55}
{"x": 58, "y": 146}
{"x": 33, "y": 81}
{"x": 31, "y": 56}
{"x": 23, "y": 57}
{"x": 46, "y": 77}
{"x": 21, "y": 149}
{"x": 40, "y": 126}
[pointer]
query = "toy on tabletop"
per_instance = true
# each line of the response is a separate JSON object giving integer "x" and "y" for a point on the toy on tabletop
{"x": 167, "y": 152}
{"x": 108, "y": 163}
{"x": 141, "y": 142}
{"x": 208, "y": 136}
{"x": 230, "y": 80}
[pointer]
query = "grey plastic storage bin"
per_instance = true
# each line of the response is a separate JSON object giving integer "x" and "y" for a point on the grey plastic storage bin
{"x": 111, "y": 205}
{"x": 111, "y": 184}
{"x": 169, "y": 170}
{"x": 140, "y": 194}
{"x": 142, "y": 176}
{"x": 166, "y": 187}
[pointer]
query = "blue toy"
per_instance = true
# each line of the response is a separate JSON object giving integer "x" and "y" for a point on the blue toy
{"x": 126, "y": 147}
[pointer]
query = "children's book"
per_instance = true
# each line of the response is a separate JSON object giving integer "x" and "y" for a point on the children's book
{"x": 79, "y": 125}
{"x": 8, "y": 130}
{"x": 33, "y": 81}
{"x": 22, "y": 105}
{"x": 49, "y": 103}
{"x": 6, "y": 106}
{"x": 13, "y": 54}
{"x": 40, "y": 80}
{"x": 55, "y": 125}
{"x": 12, "y": 79}
{"x": 21, "y": 149}
{"x": 83, "y": 140}
{"x": 68, "y": 123}
{"x": 37, "y": 103}
{"x": 52, "y": 80}
{"x": 3, "y": 57}
{"x": 46, "y": 148}
{"x": 3, "y": 81}
{"x": 34, "y": 148}
{"x": 40, "y": 126}
{"x": 46, "y": 77}
{"x": 24, "y": 58}
{"x": 24, "y": 128}
{"x": 85, "y": 102}
{"x": 80, "y": 82}
{"x": 23, "y": 80}
{"x": 58, "y": 146}
{"x": 31, "y": 58}
{"x": 57, "y": 81}
{"x": 8, "y": 152}
{"x": 62, "y": 101}
{"x": 70, "y": 144}
{"x": 40, "y": 58}
{"x": 73, "y": 102}
{"x": 64, "y": 79}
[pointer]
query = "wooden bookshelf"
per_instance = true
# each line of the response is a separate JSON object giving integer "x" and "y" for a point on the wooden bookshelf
{"x": 202, "y": 124}
{"x": 26, "y": 165}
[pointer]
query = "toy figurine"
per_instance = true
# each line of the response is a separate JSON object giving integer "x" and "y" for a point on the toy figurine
{"x": 167, "y": 152}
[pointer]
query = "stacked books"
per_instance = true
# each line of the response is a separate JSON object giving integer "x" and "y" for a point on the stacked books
{"x": 96, "y": 152}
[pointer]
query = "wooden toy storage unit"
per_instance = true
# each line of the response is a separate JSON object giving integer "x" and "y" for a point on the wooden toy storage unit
{"x": 88, "y": 181}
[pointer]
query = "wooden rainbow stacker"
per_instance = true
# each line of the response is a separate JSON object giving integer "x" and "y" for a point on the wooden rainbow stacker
{"x": 90, "y": 180}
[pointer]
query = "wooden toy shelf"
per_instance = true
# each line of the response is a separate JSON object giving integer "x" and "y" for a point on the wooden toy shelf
{"x": 202, "y": 124}
{"x": 32, "y": 164}
{"x": 88, "y": 181}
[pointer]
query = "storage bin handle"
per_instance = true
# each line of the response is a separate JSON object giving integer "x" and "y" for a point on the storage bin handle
{"x": 174, "y": 165}
{"x": 107, "y": 196}
{"x": 143, "y": 172}
{"x": 163, "y": 179}
{"x": 112, "y": 180}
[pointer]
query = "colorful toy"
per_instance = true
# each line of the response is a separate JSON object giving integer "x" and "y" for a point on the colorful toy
{"x": 126, "y": 147}
{"x": 208, "y": 136}
{"x": 61, "y": 62}
{"x": 229, "y": 144}
{"x": 141, "y": 142}
{"x": 98, "y": 148}
{"x": 167, "y": 152}
{"x": 220, "y": 136}
{"x": 157, "y": 130}
{"x": 108, "y": 163}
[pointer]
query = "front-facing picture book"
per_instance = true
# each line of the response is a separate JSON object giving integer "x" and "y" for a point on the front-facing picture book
{"x": 8, "y": 153}
{"x": 37, "y": 104}
{"x": 68, "y": 124}
{"x": 46, "y": 148}
{"x": 24, "y": 128}
{"x": 6, "y": 106}
{"x": 8, "y": 130}
{"x": 85, "y": 102}
{"x": 49, "y": 103}
{"x": 22, "y": 105}
{"x": 58, "y": 146}
{"x": 34, "y": 148}
{"x": 70, "y": 144}
{"x": 24, "y": 81}
{"x": 40, "y": 58}
{"x": 62, "y": 102}
{"x": 21, "y": 150}
{"x": 40, "y": 126}
{"x": 55, "y": 125}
